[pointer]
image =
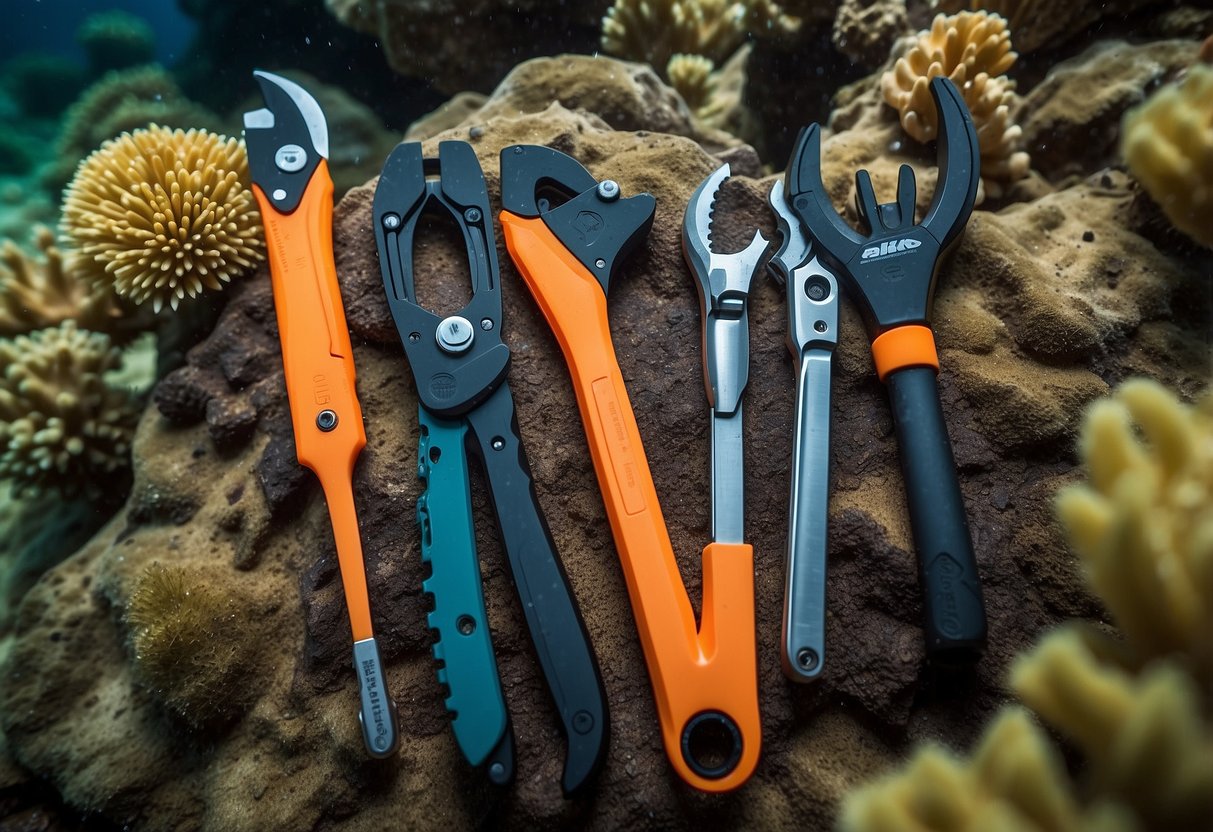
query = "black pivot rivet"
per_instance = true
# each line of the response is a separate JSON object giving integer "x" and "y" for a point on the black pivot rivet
{"x": 807, "y": 659}
{"x": 326, "y": 420}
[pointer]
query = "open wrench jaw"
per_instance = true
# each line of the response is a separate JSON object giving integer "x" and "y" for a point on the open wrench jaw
{"x": 891, "y": 269}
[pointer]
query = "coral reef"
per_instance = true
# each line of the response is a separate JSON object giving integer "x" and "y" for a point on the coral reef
{"x": 62, "y": 427}
{"x": 162, "y": 214}
{"x": 116, "y": 39}
{"x": 43, "y": 291}
{"x": 122, "y": 101}
{"x": 1039, "y": 24}
{"x": 1168, "y": 144}
{"x": 1143, "y": 525}
{"x": 654, "y": 32}
{"x": 865, "y": 29}
{"x": 691, "y": 75}
{"x": 1042, "y": 303}
{"x": 973, "y": 49}
{"x": 189, "y": 643}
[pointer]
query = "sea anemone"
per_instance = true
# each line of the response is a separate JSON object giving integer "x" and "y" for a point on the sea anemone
{"x": 189, "y": 641}
{"x": 62, "y": 427}
{"x": 42, "y": 291}
{"x": 973, "y": 50}
{"x": 161, "y": 214}
{"x": 1168, "y": 143}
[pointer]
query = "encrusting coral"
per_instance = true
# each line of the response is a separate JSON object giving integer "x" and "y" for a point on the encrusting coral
{"x": 188, "y": 644}
{"x": 162, "y": 214}
{"x": 1168, "y": 144}
{"x": 39, "y": 292}
{"x": 973, "y": 50}
{"x": 655, "y": 31}
{"x": 63, "y": 428}
{"x": 1143, "y": 526}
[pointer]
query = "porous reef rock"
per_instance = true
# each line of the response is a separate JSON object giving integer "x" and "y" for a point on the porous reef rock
{"x": 470, "y": 44}
{"x": 1033, "y": 319}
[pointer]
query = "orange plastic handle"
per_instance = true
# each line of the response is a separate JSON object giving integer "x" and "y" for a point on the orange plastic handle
{"x": 714, "y": 669}
{"x": 319, "y": 365}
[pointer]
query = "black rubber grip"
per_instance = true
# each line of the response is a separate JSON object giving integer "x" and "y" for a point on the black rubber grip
{"x": 557, "y": 629}
{"x": 955, "y": 617}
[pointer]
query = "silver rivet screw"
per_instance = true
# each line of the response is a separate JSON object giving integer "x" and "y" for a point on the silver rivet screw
{"x": 600, "y": 263}
{"x": 454, "y": 334}
{"x": 608, "y": 190}
{"x": 278, "y": 194}
{"x": 290, "y": 158}
{"x": 391, "y": 221}
{"x": 486, "y": 324}
{"x": 326, "y": 420}
{"x": 472, "y": 215}
{"x": 498, "y": 443}
{"x": 807, "y": 659}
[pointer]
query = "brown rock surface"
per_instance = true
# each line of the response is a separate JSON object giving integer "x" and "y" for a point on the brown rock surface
{"x": 1032, "y": 320}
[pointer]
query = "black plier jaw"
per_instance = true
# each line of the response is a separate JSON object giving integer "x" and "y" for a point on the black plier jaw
{"x": 458, "y": 360}
{"x": 286, "y": 139}
{"x": 892, "y": 267}
{"x": 588, "y": 217}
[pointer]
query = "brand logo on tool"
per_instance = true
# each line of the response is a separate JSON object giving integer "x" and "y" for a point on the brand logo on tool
{"x": 889, "y": 247}
{"x": 443, "y": 386}
{"x": 946, "y": 602}
{"x": 588, "y": 224}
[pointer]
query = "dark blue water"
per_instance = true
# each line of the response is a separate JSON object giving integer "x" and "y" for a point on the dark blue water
{"x": 50, "y": 26}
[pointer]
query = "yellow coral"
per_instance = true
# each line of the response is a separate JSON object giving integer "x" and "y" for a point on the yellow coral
{"x": 1143, "y": 526}
{"x": 973, "y": 50}
{"x": 37, "y": 292}
{"x": 691, "y": 76}
{"x": 162, "y": 214}
{"x": 62, "y": 427}
{"x": 189, "y": 643}
{"x": 1168, "y": 143}
{"x": 654, "y": 31}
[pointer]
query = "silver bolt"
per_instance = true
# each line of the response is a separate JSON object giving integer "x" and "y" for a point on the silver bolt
{"x": 472, "y": 215}
{"x": 279, "y": 194}
{"x": 326, "y": 420}
{"x": 498, "y": 443}
{"x": 454, "y": 334}
{"x": 486, "y": 324}
{"x": 600, "y": 263}
{"x": 391, "y": 221}
{"x": 290, "y": 158}
{"x": 608, "y": 190}
{"x": 466, "y": 625}
{"x": 820, "y": 326}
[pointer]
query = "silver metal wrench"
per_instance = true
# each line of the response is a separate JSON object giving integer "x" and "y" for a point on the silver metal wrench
{"x": 812, "y": 298}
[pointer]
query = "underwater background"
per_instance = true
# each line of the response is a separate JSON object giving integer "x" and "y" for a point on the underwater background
{"x": 174, "y": 647}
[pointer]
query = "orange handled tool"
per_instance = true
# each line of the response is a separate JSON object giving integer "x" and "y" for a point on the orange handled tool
{"x": 705, "y": 679}
{"x": 288, "y": 147}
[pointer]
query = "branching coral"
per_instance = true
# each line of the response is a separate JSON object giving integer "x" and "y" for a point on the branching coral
{"x": 161, "y": 214}
{"x": 692, "y": 76}
{"x": 121, "y": 101}
{"x": 654, "y": 31}
{"x": 1135, "y": 707}
{"x": 1168, "y": 143}
{"x": 190, "y": 643}
{"x": 62, "y": 427}
{"x": 38, "y": 292}
{"x": 973, "y": 49}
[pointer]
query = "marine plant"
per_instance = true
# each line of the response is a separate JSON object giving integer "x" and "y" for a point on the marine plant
{"x": 160, "y": 215}
{"x": 676, "y": 37}
{"x": 43, "y": 290}
{"x": 1134, "y": 704}
{"x": 1168, "y": 144}
{"x": 189, "y": 642}
{"x": 63, "y": 428}
{"x": 973, "y": 50}
{"x": 121, "y": 101}
{"x": 116, "y": 39}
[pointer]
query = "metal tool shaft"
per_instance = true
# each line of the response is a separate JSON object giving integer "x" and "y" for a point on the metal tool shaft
{"x": 728, "y": 478}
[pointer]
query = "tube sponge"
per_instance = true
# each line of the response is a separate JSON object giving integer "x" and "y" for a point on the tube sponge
{"x": 189, "y": 644}
{"x": 1168, "y": 144}
{"x": 160, "y": 215}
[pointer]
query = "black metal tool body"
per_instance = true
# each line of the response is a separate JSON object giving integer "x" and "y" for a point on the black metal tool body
{"x": 459, "y": 364}
{"x": 890, "y": 271}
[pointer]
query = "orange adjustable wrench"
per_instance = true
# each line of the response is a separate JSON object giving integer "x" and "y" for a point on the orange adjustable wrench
{"x": 567, "y": 234}
{"x": 288, "y": 148}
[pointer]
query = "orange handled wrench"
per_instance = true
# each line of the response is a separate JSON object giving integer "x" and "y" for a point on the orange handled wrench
{"x": 288, "y": 148}
{"x": 567, "y": 234}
